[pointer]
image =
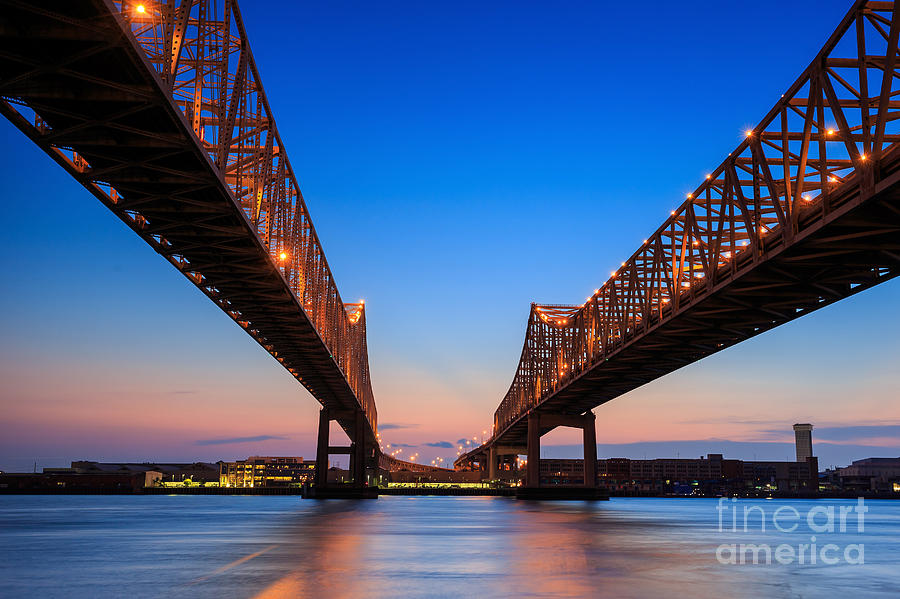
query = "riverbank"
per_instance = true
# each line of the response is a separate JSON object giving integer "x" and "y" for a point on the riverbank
{"x": 408, "y": 492}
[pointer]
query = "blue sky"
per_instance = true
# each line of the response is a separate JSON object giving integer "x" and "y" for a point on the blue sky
{"x": 459, "y": 161}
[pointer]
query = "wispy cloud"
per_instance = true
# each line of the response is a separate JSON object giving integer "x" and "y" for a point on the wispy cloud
{"x": 240, "y": 440}
{"x": 732, "y": 421}
{"x": 402, "y": 445}
{"x": 856, "y": 432}
{"x": 443, "y": 444}
{"x": 390, "y": 426}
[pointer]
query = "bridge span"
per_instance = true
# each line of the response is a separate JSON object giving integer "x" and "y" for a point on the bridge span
{"x": 158, "y": 109}
{"x": 804, "y": 212}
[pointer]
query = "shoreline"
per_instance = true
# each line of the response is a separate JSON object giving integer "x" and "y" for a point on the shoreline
{"x": 418, "y": 491}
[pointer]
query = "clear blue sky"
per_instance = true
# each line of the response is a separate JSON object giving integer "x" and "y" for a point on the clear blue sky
{"x": 460, "y": 161}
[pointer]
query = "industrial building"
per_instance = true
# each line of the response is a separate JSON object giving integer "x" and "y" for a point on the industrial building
{"x": 712, "y": 474}
{"x": 195, "y": 472}
{"x": 878, "y": 475}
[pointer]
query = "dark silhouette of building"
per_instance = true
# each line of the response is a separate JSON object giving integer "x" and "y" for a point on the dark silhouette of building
{"x": 61, "y": 481}
{"x": 706, "y": 475}
{"x": 197, "y": 472}
{"x": 871, "y": 474}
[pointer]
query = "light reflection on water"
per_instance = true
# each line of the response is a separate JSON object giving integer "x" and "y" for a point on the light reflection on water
{"x": 278, "y": 547}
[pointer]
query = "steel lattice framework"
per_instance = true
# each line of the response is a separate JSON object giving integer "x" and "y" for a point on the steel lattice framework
{"x": 802, "y": 213}
{"x": 159, "y": 110}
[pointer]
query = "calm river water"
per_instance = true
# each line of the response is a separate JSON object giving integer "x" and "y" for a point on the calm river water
{"x": 217, "y": 546}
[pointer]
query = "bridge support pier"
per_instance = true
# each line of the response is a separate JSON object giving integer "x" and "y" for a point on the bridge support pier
{"x": 533, "y": 466}
{"x": 492, "y": 463}
{"x": 357, "y": 451}
{"x": 538, "y": 425}
{"x": 589, "y": 438}
{"x": 502, "y": 461}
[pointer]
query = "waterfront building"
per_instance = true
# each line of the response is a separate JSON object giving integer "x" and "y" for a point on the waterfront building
{"x": 871, "y": 474}
{"x": 64, "y": 480}
{"x": 195, "y": 472}
{"x": 712, "y": 474}
{"x": 258, "y": 471}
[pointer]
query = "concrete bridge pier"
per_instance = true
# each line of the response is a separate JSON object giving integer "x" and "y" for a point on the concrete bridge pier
{"x": 502, "y": 459}
{"x": 360, "y": 457}
{"x": 540, "y": 424}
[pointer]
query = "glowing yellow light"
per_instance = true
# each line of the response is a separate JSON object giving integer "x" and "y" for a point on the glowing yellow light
{"x": 749, "y": 133}
{"x": 690, "y": 195}
{"x": 831, "y": 179}
{"x": 645, "y": 241}
{"x": 623, "y": 264}
{"x": 806, "y": 197}
{"x": 612, "y": 273}
{"x": 282, "y": 256}
{"x": 862, "y": 156}
{"x": 696, "y": 242}
{"x": 140, "y": 8}
{"x": 830, "y": 132}
{"x": 673, "y": 213}
{"x": 709, "y": 176}
{"x": 665, "y": 301}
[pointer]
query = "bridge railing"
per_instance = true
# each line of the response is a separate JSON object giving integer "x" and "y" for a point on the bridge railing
{"x": 825, "y": 138}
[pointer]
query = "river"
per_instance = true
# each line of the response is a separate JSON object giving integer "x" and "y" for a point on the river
{"x": 278, "y": 547}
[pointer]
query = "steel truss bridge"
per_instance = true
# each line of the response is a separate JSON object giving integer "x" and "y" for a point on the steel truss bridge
{"x": 805, "y": 211}
{"x": 158, "y": 109}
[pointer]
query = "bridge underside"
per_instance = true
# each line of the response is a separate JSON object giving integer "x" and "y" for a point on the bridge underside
{"x": 93, "y": 91}
{"x": 856, "y": 248}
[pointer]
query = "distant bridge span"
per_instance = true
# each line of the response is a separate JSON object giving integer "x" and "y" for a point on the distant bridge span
{"x": 157, "y": 108}
{"x": 803, "y": 213}
{"x": 392, "y": 464}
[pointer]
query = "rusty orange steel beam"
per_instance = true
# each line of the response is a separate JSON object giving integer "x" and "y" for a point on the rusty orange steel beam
{"x": 773, "y": 222}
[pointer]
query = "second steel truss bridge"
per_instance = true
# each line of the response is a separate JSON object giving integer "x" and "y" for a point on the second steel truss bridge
{"x": 804, "y": 212}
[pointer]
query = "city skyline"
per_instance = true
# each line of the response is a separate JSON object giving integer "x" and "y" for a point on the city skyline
{"x": 110, "y": 350}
